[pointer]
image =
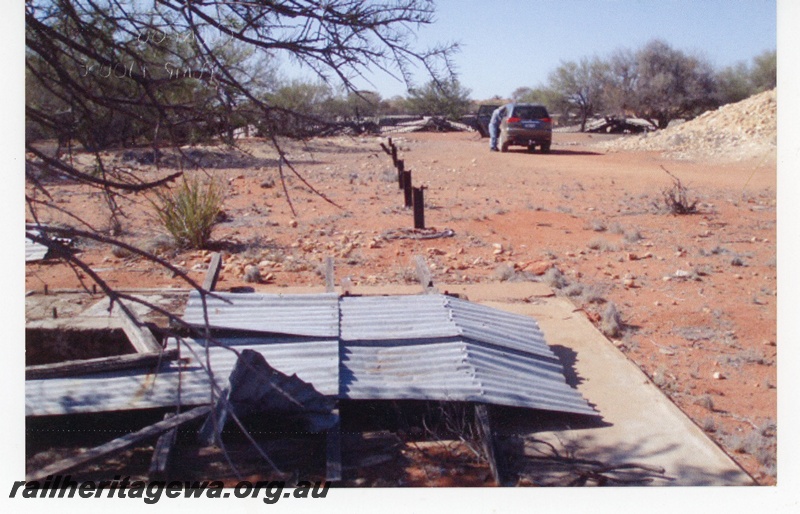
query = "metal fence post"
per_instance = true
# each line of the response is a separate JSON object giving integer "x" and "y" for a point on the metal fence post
{"x": 419, "y": 208}
{"x": 401, "y": 166}
{"x": 409, "y": 201}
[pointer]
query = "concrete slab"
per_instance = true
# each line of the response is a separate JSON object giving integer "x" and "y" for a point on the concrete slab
{"x": 640, "y": 424}
{"x": 82, "y": 311}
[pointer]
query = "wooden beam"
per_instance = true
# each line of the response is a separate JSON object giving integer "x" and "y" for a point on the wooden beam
{"x": 493, "y": 452}
{"x": 333, "y": 450}
{"x": 212, "y": 275}
{"x": 117, "y": 445}
{"x": 210, "y": 432}
{"x": 159, "y": 465}
{"x": 330, "y": 279}
{"x": 138, "y": 333}
{"x": 99, "y": 365}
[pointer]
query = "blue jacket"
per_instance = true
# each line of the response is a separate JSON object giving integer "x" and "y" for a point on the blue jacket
{"x": 497, "y": 115}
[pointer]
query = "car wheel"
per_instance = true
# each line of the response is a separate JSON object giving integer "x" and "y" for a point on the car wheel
{"x": 545, "y": 147}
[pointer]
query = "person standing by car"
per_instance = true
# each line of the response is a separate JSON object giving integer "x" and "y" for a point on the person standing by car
{"x": 494, "y": 127}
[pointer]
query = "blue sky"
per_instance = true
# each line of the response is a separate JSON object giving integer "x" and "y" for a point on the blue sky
{"x": 507, "y": 44}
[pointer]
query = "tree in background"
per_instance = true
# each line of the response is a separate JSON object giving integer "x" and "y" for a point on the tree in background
{"x": 579, "y": 86}
{"x": 764, "y": 74}
{"x": 300, "y": 108}
{"x": 440, "y": 98}
{"x": 106, "y": 73}
{"x": 734, "y": 84}
{"x": 540, "y": 95}
{"x": 362, "y": 105}
{"x": 655, "y": 82}
{"x": 740, "y": 81}
{"x": 620, "y": 83}
{"x": 668, "y": 84}
{"x": 394, "y": 105}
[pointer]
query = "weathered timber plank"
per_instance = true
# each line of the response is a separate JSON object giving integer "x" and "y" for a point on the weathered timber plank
{"x": 333, "y": 450}
{"x": 212, "y": 275}
{"x": 99, "y": 365}
{"x": 117, "y": 445}
{"x": 493, "y": 452}
{"x": 138, "y": 334}
{"x": 159, "y": 465}
{"x": 330, "y": 282}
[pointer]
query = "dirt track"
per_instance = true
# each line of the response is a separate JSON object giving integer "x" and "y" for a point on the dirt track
{"x": 696, "y": 293}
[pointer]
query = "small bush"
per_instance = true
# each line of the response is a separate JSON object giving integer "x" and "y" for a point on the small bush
{"x": 616, "y": 228}
{"x": 633, "y": 236}
{"x": 160, "y": 244}
{"x": 592, "y": 294}
{"x": 574, "y": 289}
{"x": 611, "y": 321}
{"x": 708, "y": 425}
{"x": 120, "y": 252}
{"x": 706, "y": 402}
{"x": 554, "y": 278}
{"x": 768, "y": 428}
{"x": 597, "y": 226}
{"x": 676, "y": 198}
{"x": 252, "y": 274}
{"x": 601, "y": 244}
{"x": 190, "y": 211}
{"x": 504, "y": 272}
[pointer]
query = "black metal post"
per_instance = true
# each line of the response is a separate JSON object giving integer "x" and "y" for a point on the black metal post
{"x": 394, "y": 154}
{"x": 409, "y": 201}
{"x": 419, "y": 208}
{"x": 401, "y": 166}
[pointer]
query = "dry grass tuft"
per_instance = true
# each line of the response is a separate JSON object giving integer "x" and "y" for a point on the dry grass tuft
{"x": 190, "y": 211}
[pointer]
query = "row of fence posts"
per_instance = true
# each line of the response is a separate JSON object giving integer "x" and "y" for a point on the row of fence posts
{"x": 414, "y": 197}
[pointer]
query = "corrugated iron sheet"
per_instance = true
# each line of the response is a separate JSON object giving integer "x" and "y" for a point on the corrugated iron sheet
{"x": 426, "y": 347}
{"x": 404, "y": 317}
{"x": 318, "y": 364}
{"x": 469, "y": 353}
{"x": 34, "y": 251}
{"x": 315, "y": 315}
{"x": 456, "y": 371}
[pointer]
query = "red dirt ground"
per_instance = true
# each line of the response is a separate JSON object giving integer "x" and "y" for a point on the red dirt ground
{"x": 697, "y": 293}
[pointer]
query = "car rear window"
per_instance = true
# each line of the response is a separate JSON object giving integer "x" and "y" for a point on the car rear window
{"x": 530, "y": 112}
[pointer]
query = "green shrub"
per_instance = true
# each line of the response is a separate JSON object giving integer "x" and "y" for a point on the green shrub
{"x": 190, "y": 211}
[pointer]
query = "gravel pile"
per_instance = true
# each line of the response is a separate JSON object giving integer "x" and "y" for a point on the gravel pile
{"x": 744, "y": 130}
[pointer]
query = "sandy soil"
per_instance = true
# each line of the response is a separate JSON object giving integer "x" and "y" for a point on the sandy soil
{"x": 696, "y": 293}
